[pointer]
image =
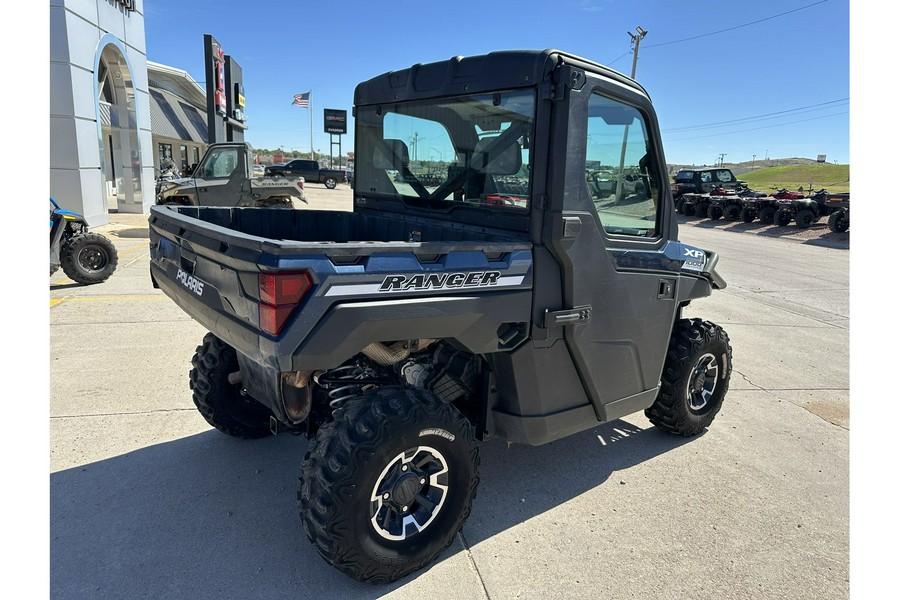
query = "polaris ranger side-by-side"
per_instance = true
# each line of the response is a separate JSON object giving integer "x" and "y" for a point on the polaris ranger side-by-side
{"x": 224, "y": 177}
{"x": 508, "y": 298}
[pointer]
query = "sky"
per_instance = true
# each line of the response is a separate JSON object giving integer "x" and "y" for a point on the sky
{"x": 733, "y": 80}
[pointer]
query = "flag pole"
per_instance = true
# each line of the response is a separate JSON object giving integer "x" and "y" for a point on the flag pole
{"x": 311, "y": 149}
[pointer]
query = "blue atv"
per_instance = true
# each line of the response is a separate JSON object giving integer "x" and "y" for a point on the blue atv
{"x": 84, "y": 256}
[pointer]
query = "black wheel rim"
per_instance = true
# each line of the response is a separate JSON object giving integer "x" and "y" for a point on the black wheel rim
{"x": 702, "y": 383}
{"x": 93, "y": 258}
{"x": 409, "y": 493}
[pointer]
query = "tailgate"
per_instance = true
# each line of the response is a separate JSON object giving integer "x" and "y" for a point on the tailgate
{"x": 212, "y": 273}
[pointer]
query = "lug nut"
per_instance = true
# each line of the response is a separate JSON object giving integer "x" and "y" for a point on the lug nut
{"x": 386, "y": 496}
{"x": 405, "y": 508}
{"x": 404, "y": 468}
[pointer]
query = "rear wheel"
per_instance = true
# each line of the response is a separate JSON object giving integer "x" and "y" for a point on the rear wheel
{"x": 783, "y": 218}
{"x": 679, "y": 206}
{"x": 688, "y": 210}
{"x": 732, "y": 212}
{"x": 714, "y": 212}
{"x": 767, "y": 215}
{"x": 330, "y": 183}
{"x": 387, "y": 484}
{"x": 748, "y": 214}
{"x": 224, "y": 405}
{"x": 695, "y": 378}
{"x": 88, "y": 258}
{"x": 703, "y": 209}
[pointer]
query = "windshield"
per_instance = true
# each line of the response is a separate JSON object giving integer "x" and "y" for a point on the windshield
{"x": 465, "y": 150}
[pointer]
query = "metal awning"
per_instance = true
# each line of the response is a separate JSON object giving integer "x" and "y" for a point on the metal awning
{"x": 173, "y": 117}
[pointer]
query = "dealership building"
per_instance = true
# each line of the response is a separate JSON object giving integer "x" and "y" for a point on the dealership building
{"x": 113, "y": 114}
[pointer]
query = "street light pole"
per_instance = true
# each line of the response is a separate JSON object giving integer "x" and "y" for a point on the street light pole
{"x": 636, "y": 40}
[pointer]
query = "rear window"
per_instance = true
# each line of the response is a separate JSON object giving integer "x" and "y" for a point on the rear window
{"x": 724, "y": 176}
{"x": 684, "y": 176}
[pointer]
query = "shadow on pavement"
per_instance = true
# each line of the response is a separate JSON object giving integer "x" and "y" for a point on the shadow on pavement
{"x": 208, "y": 516}
{"x": 134, "y": 232}
{"x": 65, "y": 286}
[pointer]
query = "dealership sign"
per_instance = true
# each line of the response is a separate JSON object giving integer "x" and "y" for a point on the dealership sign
{"x": 335, "y": 121}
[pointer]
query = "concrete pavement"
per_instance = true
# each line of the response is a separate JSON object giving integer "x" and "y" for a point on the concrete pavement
{"x": 147, "y": 501}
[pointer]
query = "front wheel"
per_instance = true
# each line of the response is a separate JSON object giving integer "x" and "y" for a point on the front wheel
{"x": 714, "y": 212}
{"x": 330, "y": 183}
{"x": 838, "y": 221}
{"x": 695, "y": 378}
{"x": 732, "y": 212}
{"x": 805, "y": 218}
{"x": 387, "y": 484}
{"x": 88, "y": 258}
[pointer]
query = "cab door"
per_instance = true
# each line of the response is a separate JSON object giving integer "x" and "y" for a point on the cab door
{"x": 618, "y": 285}
{"x": 220, "y": 177}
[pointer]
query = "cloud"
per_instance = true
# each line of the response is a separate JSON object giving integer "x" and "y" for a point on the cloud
{"x": 593, "y": 5}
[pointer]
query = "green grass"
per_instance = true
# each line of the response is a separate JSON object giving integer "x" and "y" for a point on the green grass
{"x": 834, "y": 178}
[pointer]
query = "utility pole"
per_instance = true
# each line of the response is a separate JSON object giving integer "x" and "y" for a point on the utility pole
{"x": 722, "y": 159}
{"x": 753, "y": 162}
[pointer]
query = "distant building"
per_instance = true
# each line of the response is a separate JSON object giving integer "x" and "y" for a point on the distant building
{"x": 177, "y": 116}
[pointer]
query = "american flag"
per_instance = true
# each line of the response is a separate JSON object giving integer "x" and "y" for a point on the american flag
{"x": 301, "y": 100}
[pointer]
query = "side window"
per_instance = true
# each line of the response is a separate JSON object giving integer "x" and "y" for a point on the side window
{"x": 724, "y": 176}
{"x": 620, "y": 168}
{"x": 220, "y": 163}
{"x": 705, "y": 177}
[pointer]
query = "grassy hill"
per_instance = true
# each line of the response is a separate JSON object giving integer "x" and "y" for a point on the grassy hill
{"x": 834, "y": 178}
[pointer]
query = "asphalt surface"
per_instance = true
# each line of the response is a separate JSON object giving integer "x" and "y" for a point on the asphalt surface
{"x": 147, "y": 501}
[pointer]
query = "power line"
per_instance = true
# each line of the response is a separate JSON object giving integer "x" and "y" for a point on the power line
{"x": 758, "y": 128}
{"x": 772, "y": 115}
{"x": 736, "y": 26}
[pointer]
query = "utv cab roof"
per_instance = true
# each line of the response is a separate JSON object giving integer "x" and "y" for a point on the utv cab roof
{"x": 507, "y": 69}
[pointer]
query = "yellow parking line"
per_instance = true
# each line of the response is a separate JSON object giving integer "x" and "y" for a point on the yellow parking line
{"x": 57, "y": 301}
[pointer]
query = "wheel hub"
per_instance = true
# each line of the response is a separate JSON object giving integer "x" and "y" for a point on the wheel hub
{"x": 409, "y": 493}
{"x": 406, "y": 489}
{"x": 702, "y": 382}
{"x": 92, "y": 258}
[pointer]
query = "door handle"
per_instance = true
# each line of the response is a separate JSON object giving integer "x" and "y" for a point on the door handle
{"x": 666, "y": 289}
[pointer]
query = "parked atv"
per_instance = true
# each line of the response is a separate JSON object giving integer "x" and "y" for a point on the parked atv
{"x": 723, "y": 203}
{"x": 838, "y": 206}
{"x": 760, "y": 207}
{"x": 85, "y": 257}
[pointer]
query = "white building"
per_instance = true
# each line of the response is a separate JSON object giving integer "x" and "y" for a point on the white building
{"x": 113, "y": 115}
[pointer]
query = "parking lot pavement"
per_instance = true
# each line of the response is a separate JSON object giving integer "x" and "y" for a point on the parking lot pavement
{"x": 147, "y": 501}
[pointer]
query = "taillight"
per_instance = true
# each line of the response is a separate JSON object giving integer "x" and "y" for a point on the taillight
{"x": 279, "y": 295}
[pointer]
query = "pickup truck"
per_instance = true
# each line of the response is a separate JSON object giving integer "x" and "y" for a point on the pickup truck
{"x": 224, "y": 177}
{"x": 310, "y": 171}
{"x": 398, "y": 335}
